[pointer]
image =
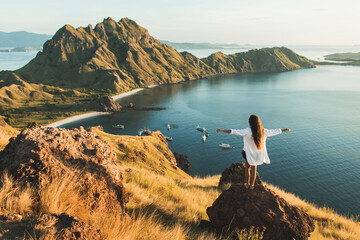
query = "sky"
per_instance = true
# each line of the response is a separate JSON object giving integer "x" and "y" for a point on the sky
{"x": 268, "y": 22}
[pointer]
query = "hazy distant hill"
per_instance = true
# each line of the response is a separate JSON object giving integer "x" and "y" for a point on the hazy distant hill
{"x": 343, "y": 56}
{"x": 22, "y": 39}
{"x": 189, "y": 45}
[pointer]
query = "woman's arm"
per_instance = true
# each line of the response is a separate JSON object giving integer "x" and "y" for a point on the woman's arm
{"x": 224, "y": 131}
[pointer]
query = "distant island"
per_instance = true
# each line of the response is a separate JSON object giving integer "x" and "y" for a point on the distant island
{"x": 190, "y": 45}
{"x": 341, "y": 59}
{"x": 22, "y": 49}
{"x": 78, "y": 66}
{"x": 343, "y": 56}
{"x": 22, "y": 39}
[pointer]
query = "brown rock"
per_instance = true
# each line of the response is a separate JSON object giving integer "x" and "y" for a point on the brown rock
{"x": 236, "y": 174}
{"x": 108, "y": 104}
{"x": 37, "y": 155}
{"x": 46, "y": 226}
{"x": 238, "y": 208}
{"x": 182, "y": 162}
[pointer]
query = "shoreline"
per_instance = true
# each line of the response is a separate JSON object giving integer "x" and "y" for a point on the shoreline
{"x": 76, "y": 118}
{"x": 94, "y": 114}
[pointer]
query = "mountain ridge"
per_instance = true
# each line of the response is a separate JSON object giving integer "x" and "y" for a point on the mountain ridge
{"x": 123, "y": 55}
{"x": 78, "y": 65}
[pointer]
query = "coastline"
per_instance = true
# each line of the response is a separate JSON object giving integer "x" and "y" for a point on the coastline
{"x": 76, "y": 118}
{"x": 94, "y": 114}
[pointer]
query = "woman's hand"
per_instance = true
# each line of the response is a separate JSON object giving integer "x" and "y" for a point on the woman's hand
{"x": 286, "y": 130}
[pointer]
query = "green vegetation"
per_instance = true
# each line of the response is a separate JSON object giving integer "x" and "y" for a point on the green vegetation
{"x": 80, "y": 65}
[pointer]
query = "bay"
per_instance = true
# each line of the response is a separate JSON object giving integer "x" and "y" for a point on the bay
{"x": 319, "y": 159}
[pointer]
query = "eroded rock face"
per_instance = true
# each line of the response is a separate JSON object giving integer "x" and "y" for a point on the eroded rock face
{"x": 239, "y": 208}
{"x": 236, "y": 174}
{"x": 63, "y": 226}
{"x": 38, "y": 155}
{"x": 182, "y": 162}
{"x": 107, "y": 104}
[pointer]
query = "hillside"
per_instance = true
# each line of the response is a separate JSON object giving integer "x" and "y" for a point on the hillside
{"x": 22, "y": 39}
{"x": 123, "y": 55}
{"x": 79, "y": 65}
{"x": 163, "y": 202}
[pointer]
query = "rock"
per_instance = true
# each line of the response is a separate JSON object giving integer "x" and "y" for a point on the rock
{"x": 240, "y": 208}
{"x": 236, "y": 174}
{"x": 182, "y": 162}
{"x": 45, "y": 226}
{"x": 38, "y": 155}
{"x": 108, "y": 104}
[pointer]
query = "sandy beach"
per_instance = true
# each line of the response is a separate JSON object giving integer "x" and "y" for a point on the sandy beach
{"x": 126, "y": 94}
{"x": 93, "y": 114}
{"x": 75, "y": 118}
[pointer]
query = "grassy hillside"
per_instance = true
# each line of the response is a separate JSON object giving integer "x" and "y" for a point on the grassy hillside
{"x": 6, "y": 132}
{"x": 165, "y": 202}
{"x": 78, "y": 65}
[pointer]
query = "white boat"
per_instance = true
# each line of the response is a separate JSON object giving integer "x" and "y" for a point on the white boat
{"x": 168, "y": 138}
{"x": 225, "y": 146}
{"x": 120, "y": 126}
{"x": 200, "y": 129}
{"x": 168, "y": 127}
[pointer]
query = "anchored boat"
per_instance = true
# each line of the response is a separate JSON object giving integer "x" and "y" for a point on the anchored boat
{"x": 225, "y": 146}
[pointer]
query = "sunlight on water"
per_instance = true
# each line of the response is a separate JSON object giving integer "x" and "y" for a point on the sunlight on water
{"x": 319, "y": 160}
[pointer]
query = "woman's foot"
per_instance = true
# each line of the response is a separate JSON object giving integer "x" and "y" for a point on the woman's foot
{"x": 246, "y": 185}
{"x": 252, "y": 187}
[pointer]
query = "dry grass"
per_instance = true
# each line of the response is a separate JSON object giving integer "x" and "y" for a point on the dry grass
{"x": 160, "y": 207}
{"x": 6, "y": 132}
{"x": 13, "y": 197}
{"x": 329, "y": 225}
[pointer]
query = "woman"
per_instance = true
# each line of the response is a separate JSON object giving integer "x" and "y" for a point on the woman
{"x": 254, "y": 152}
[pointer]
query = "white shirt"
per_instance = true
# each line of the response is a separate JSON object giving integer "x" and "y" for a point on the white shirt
{"x": 254, "y": 156}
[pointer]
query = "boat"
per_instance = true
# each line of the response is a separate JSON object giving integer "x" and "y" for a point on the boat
{"x": 200, "y": 129}
{"x": 119, "y": 126}
{"x": 225, "y": 146}
{"x": 168, "y": 138}
{"x": 140, "y": 133}
{"x": 204, "y": 138}
{"x": 168, "y": 127}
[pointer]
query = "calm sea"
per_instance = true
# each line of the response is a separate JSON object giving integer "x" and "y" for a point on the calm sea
{"x": 319, "y": 160}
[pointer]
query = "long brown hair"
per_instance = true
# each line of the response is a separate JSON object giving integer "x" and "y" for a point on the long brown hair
{"x": 257, "y": 130}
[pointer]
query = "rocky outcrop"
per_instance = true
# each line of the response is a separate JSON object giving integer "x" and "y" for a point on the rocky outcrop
{"x": 182, "y": 162}
{"x": 236, "y": 174}
{"x": 240, "y": 208}
{"x": 258, "y": 60}
{"x": 108, "y": 104}
{"x": 63, "y": 226}
{"x": 38, "y": 155}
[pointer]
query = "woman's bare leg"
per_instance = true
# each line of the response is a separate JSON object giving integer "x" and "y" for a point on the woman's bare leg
{"x": 247, "y": 174}
{"x": 253, "y": 176}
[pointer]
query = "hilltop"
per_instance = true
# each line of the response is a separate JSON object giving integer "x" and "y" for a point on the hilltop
{"x": 63, "y": 183}
{"x": 79, "y": 65}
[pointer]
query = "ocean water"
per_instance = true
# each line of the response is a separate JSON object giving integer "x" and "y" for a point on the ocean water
{"x": 319, "y": 159}
{"x": 14, "y": 60}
